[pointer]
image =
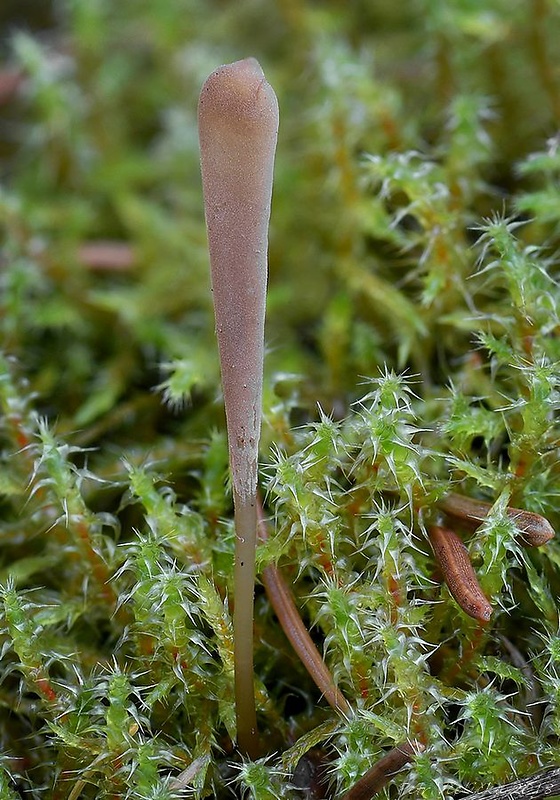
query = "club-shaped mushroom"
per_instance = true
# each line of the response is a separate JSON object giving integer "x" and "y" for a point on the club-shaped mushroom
{"x": 238, "y": 128}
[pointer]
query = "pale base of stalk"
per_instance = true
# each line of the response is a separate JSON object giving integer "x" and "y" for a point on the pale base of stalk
{"x": 244, "y": 578}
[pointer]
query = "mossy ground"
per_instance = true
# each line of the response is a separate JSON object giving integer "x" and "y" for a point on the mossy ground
{"x": 413, "y": 347}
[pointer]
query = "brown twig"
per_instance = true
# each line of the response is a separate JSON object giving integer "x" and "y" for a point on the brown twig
{"x": 293, "y": 626}
{"x": 535, "y": 529}
{"x": 106, "y": 256}
{"x": 458, "y": 573}
{"x": 383, "y": 771}
{"x": 543, "y": 784}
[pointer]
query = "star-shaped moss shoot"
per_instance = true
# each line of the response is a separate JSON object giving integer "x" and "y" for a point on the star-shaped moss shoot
{"x": 238, "y": 127}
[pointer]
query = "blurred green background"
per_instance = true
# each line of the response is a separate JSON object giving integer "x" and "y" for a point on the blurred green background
{"x": 369, "y": 260}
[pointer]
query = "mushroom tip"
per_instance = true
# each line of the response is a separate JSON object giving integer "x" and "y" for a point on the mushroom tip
{"x": 249, "y": 64}
{"x": 243, "y": 73}
{"x": 238, "y": 97}
{"x": 239, "y": 92}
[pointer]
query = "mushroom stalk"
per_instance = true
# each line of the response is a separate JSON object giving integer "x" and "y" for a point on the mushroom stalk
{"x": 238, "y": 127}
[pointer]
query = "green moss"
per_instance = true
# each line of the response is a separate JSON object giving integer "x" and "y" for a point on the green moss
{"x": 413, "y": 348}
